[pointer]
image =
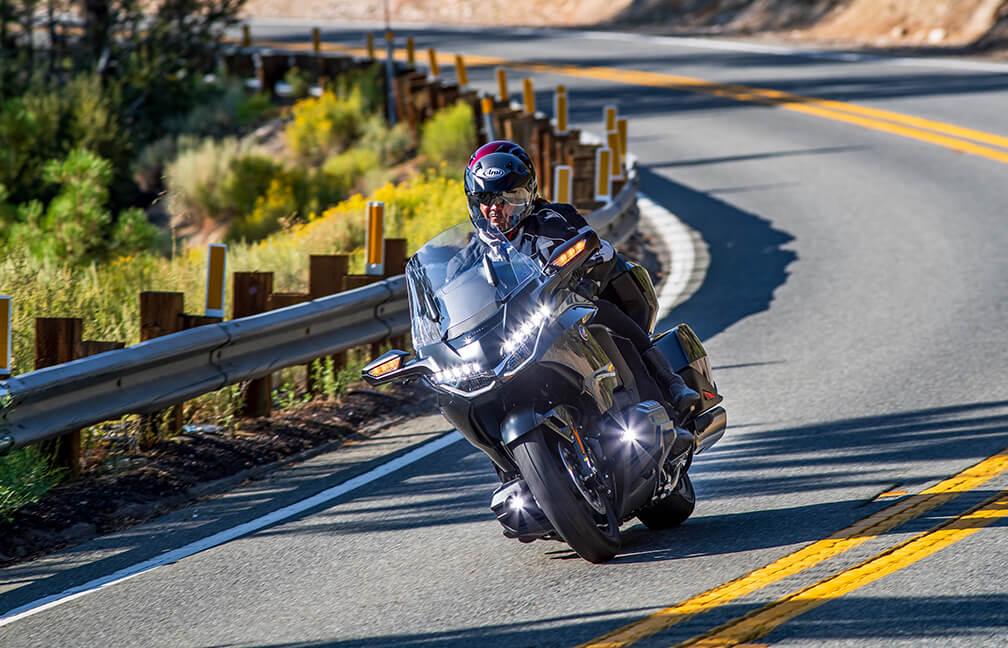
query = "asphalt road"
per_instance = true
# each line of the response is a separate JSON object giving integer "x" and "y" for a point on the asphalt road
{"x": 855, "y": 310}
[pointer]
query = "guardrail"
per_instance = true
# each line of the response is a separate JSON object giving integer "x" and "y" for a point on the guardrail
{"x": 158, "y": 373}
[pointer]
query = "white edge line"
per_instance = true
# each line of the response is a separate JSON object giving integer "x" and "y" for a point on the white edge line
{"x": 227, "y": 535}
{"x": 678, "y": 239}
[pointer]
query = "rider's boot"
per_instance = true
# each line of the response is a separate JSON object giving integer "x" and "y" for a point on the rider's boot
{"x": 682, "y": 398}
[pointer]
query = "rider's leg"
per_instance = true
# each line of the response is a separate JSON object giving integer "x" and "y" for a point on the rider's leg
{"x": 681, "y": 397}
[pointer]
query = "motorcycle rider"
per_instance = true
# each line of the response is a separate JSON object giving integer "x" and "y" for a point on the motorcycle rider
{"x": 502, "y": 194}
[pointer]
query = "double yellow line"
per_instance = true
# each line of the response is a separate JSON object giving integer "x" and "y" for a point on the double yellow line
{"x": 761, "y": 622}
{"x": 950, "y": 136}
{"x": 818, "y": 552}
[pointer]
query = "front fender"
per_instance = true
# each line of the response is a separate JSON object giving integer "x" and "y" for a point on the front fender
{"x": 523, "y": 420}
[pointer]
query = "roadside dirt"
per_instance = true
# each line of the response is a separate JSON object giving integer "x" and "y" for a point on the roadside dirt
{"x": 179, "y": 470}
{"x": 959, "y": 25}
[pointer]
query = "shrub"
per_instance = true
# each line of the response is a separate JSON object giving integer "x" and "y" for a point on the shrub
{"x": 450, "y": 136}
{"x": 197, "y": 184}
{"x": 392, "y": 145}
{"x": 325, "y": 125}
{"x": 298, "y": 82}
{"x": 25, "y": 476}
{"x": 342, "y": 171}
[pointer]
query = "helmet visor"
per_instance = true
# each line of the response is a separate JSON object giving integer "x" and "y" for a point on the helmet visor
{"x": 519, "y": 197}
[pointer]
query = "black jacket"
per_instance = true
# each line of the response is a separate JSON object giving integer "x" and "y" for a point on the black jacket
{"x": 549, "y": 225}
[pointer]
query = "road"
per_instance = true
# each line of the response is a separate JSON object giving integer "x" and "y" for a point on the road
{"x": 855, "y": 309}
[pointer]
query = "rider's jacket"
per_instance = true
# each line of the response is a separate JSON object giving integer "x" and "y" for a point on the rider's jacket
{"x": 548, "y": 226}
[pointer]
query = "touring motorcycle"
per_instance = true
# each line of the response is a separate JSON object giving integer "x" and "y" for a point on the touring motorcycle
{"x": 564, "y": 407}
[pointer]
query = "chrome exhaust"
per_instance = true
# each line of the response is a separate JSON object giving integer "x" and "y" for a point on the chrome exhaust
{"x": 710, "y": 427}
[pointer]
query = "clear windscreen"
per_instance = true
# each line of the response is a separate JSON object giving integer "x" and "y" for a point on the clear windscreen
{"x": 460, "y": 279}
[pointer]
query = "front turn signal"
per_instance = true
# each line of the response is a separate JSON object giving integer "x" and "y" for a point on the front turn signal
{"x": 386, "y": 367}
{"x": 568, "y": 255}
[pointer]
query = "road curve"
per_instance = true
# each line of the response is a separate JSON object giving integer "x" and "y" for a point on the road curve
{"x": 855, "y": 309}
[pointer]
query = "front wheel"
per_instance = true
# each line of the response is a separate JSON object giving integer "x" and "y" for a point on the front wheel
{"x": 671, "y": 510}
{"x": 578, "y": 506}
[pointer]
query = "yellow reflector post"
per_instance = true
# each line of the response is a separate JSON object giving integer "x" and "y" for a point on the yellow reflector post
{"x": 610, "y": 118}
{"x": 502, "y": 89}
{"x": 460, "y": 71}
{"x": 386, "y": 367}
{"x": 370, "y": 46}
{"x": 6, "y": 312}
{"x": 560, "y": 109}
{"x": 621, "y": 126}
{"x": 603, "y": 182}
{"x": 487, "y": 107}
{"x": 375, "y": 241}
{"x": 389, "y": 36}
{"x": 246, "y": 36}
{"x": 569, "y": 255}
{"x": 563, "y": 181}
{"x": 435, "y": 69}
{"x": 528, "y": 93}
{"x": 316, "y": 40}
{"x": 616, "y": 168}
{"x": 215, "y": 285}
{"x": 410, "y": 51}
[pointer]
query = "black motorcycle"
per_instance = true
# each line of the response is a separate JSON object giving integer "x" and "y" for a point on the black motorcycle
{"x": 565, "y": 408}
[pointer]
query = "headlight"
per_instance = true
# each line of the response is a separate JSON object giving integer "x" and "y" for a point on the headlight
{"x": 457, "y": 373}
{"x": 524, "y": 333}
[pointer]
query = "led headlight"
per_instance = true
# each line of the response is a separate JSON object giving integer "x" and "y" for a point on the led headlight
{"x": 457, "y": 373}
{"x": 524, "y": 333}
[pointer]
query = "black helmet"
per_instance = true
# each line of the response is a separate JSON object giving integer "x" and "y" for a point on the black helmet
{"x": 500, "y": 171}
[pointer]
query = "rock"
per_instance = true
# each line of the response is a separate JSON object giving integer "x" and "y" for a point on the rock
{"x": 79, "y": 532}
{"x": 134, "y": 511}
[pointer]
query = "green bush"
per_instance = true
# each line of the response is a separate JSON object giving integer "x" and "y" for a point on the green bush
{"x": 449, "y": 137}
{"x": 343, "y": 171}
{"x": 25, "y": 476}
{"x": 392, "y": 145}
{"x": 198, "y": 183}
{"x": 76, "y": 226}
{"x": 325, "y": 125}
{"x": 298, "y": 82}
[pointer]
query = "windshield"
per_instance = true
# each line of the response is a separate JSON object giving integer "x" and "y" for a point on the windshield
{"x": 459, "y": 280}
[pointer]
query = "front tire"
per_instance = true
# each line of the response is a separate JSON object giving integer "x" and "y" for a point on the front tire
{"x": 594, "y": 535}
{"x": 673, "y": 509}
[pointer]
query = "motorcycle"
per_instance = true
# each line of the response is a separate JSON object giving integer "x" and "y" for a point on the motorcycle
{"x": 564, "y": 408}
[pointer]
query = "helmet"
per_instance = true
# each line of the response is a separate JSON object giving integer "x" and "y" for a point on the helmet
{"x": 500, "y": 172}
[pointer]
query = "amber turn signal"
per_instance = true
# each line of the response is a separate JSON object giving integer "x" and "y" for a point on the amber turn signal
{"x": 386, "y": 367}
{"x": 567, "y": 256}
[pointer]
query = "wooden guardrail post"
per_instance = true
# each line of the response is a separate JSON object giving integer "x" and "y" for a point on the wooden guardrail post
{"x": 326, "y": 274}
{"x": 246, "y": 40}
{"x": 395, "y": 265}
{"x": 6, "y": 322}
{"x": 160, "y": 314}
{"x": 251, "y": 297}
{"x": 435, "y": 69}
{"x": 370, "y": 46}
{"x": 58, "y": 340}
{"x": 461, "y": 74}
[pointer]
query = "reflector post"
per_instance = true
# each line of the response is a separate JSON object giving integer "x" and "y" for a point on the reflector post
{"x": 487, "y": 106}
{"x": 215, "y": 285}
{"x": 560, "y": 109}
{"x": 528, "y": 94}
{"x": 603, "y": 181}
{"x": 563, "y": 184}
{"x": 610, "y": 118}
{"x": 389, "y": 36}
{"x": 621, "y": 126}
{"x": 460, "y": 71}
{"x": 410, "y": 50}
{"x": 370, "y": 46}
{"x": 6, "y": 314}
{"x": 246, "y": 36}
{"x": 616, "y": 168}
{"x": 502, "y": 89}
{"x": 316, "y": 40}
{"x": 374, "y": 243}
{"x": 435, "y": 69}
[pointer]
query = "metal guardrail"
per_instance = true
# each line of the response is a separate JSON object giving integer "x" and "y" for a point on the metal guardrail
{"x": 152, "y": 375}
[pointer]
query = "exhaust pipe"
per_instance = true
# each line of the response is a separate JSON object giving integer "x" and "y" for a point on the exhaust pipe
{"x": 710, "y": 427}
